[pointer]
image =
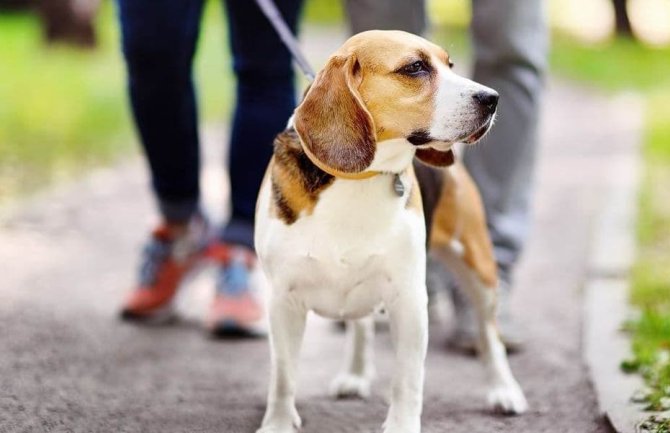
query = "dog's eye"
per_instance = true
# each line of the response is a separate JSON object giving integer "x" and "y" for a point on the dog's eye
{"x": 415, "y": 68}
{"x": 451, "y": 64}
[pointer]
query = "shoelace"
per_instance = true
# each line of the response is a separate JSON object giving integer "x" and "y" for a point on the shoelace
{"x": 233, "y": 278}
{"x": 153, "y": 256}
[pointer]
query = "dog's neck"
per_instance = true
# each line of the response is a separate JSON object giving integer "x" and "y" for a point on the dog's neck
{"x": 392, "y": 156}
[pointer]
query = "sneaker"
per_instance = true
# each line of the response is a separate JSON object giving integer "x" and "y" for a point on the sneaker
{"x": 168, "y": 258}
{"x": 237, "y": 309}
{"x": 465, "y": 335}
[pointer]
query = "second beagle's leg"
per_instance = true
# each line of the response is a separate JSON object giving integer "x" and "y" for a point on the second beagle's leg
{"x": 287, "y": 326}
{"x": 505, "y": 394}
{"x": 408, "y": 314}
{"x": 358, "y": 372}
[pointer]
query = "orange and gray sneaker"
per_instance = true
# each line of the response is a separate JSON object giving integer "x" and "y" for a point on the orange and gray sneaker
{"x": 237, "y": 309}
{"x": 168, "y": 258}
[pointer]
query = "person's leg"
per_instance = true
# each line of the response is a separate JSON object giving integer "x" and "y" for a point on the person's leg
{"x": 158, "y": 43}
{"x": 510, "y": 42}
{"x": 265, "y": 101}
{"x": 407, "y": 15}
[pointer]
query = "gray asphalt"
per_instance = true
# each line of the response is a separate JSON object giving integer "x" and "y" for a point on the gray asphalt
{"x": 67, "y": 364}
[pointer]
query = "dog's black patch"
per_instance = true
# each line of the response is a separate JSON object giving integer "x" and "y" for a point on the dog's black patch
{"x": 300, "y": 176}
{"x": 289, "y": 154}
{"x": 417, "y": 138}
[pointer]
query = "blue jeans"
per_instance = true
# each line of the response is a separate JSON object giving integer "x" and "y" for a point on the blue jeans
{"x": 159, "y": 41}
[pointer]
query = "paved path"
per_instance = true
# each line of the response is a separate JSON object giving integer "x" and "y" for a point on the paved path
{"x": 67, "y": 364}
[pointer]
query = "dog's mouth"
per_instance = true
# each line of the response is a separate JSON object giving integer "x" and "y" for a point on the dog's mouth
{"x": 422, "y": 138}
{"x": 480, "y": 132}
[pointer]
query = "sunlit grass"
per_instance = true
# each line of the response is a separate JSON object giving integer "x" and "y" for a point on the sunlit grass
{"x": 63, "y": 109}
{"x": 614, "y": 65}
{"x": 57, "y": 105}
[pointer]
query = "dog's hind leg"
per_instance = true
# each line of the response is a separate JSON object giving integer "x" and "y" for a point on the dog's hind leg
{"x": 358, "y": 371}
{"x": 505, "y": 394}
{"x": 460, "y": 237}
{"x": 287, "y": 326}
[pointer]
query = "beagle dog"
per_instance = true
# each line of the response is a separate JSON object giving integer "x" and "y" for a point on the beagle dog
{"x": 340, "y": 219}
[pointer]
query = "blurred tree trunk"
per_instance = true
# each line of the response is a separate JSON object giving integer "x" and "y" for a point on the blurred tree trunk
{"x": 621, "y": 19}
{"x": 69, "y": 21}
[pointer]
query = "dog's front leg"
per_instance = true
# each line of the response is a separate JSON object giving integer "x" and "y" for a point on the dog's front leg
{"x": 287, "y": 326}
{"x": 408, "y": 314}
{"x": 358, "y": 372}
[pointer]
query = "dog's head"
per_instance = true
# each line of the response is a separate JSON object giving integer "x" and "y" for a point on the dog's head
{"x": 386, "y": 95}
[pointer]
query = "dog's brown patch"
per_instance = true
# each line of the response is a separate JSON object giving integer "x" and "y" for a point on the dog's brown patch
{"x": 414, "y": 201}
{"x": 296, "y": 181}
{"x": 459, "y": 215}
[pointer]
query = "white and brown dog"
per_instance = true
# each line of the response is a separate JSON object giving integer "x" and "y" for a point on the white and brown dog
{"x": 340, "y": 220}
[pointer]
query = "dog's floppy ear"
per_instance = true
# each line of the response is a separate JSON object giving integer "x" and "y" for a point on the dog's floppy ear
{"x": 332, "y": 121}
{"x": 436, "y": 158}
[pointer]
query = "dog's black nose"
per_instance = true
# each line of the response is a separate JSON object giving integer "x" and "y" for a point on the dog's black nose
{"x": 488, "y": 100}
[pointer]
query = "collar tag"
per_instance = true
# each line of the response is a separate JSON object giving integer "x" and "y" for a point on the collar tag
{"x": 398, "y": 186}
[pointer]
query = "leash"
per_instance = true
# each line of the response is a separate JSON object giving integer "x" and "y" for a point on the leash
{"x": 273, "y": 15}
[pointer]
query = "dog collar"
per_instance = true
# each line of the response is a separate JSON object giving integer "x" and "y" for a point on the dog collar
{"x": 337, "y": 173}
{"x": 398, "y": 186}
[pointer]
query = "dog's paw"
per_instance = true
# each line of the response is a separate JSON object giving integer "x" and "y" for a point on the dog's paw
{"x": 281, "y": 427}
{"x": 276, "y": 430}
{"x": 407, "y": 427}
{"x": 507, "y": 399}
{"x": 290, "y": 423}
{"x": 347, "y": 385}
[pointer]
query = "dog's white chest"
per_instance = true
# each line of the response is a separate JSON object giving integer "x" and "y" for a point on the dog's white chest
{"x": 341, "y": 261}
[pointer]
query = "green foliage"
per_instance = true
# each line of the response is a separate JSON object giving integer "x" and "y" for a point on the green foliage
{"x": 324, "y": 11}
{"x": 56, "y": 102}
{"x": 657, "y": 132}
{"x": 651, "y": 286}
{"x": 616, "y": 65}
{"x": 64, "y": 109}
{"x": 455, "y": 39}
{"x": 656, "y": 424}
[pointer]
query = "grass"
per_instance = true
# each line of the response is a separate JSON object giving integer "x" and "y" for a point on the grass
{"x": 613, "y": 66}
{"x": 623, "y": 65}
{"x": 57, "y": 103}
{"x": 63, "y": 110}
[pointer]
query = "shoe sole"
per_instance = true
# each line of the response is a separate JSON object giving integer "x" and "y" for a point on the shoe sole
{"x": 231, "y": 329}
{"x": 162, "y": 316}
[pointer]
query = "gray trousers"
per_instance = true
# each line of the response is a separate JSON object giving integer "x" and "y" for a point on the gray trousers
{"x": 510, "y": 41}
